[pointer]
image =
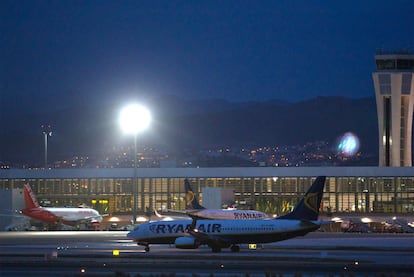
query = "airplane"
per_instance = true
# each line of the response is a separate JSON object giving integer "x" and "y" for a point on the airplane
{"x": 195, "y": 210}
{"x": 58, "y": 216}
{"x": 218, "y": 234}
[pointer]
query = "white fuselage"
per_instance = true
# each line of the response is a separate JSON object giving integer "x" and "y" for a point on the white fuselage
{"x": 227, "y": 214}
{"x": 75, "y": 214}
{"x": 232, "y": 231}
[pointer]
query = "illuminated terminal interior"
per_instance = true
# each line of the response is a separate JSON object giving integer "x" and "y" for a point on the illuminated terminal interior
{"x": 353, "y": 190}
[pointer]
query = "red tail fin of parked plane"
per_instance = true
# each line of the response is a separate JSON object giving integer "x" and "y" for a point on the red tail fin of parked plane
{"x": 34, "y": 210}
{"x": 29, "y": 198}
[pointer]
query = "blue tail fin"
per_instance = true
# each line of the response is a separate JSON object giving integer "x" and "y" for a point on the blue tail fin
{"x": 192, "y": 201}
{"x": 308, "y": 206}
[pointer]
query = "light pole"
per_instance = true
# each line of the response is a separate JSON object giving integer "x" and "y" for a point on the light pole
{"x": 47, "y": 132}
{"x": 134, "y": 119}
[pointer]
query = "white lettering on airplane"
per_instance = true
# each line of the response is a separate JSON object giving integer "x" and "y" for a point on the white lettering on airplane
{"x": 180, "y": 228}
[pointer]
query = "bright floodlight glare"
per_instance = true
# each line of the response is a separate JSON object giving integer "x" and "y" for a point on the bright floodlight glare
{"x": 134, "y": 119}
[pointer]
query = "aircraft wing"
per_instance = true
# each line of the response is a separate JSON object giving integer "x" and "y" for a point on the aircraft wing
{"x": 210, "y": 240}
{"x": 170, "y": 217}
{"x": 204, "y": 238}
{"x": 91, "y": 219}
{"x": 189, "y": 213}
{"x": 85, "y": 220}
{"x": 182, "y": 212}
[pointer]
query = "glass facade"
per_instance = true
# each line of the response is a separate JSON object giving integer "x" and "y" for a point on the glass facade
{"x": 395, "y": 64}
{"x": 273, "y": 195}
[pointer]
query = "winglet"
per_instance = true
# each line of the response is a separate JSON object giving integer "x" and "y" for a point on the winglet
{"x": 29, "y": 198}
{"x": 308, "y": 207}
{"x": 157, "y": 214}
{"x": 191, "y": 199}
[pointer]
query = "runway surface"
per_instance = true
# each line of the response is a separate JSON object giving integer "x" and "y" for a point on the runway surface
{"x": 317, "y": 254}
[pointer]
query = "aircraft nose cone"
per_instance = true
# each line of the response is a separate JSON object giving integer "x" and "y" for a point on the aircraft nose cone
{"x": 130, "y": 235}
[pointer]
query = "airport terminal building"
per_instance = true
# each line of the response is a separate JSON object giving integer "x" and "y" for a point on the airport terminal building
{"x": 274, "y": 190}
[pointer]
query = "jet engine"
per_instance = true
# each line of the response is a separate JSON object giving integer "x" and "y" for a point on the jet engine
{"x": 186, "y": 243}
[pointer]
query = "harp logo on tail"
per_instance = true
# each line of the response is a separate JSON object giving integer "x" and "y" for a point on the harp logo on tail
{"x": 311, "y": 201}
{"x": 189, "y": 197}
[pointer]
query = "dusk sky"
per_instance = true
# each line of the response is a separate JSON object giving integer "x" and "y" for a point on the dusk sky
{"x": 59, "y": 53}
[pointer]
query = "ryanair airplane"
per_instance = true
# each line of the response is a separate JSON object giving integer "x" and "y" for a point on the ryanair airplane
{"x": 195, "y": 210}
{"x": 218, "y": 234}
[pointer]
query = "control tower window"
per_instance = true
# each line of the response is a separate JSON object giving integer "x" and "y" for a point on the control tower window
{"x": 385, "y": 64}
{"x": 405, "y": 64}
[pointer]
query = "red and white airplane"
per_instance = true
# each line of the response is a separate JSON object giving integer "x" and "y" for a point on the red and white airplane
{"x": 57, "y": 216}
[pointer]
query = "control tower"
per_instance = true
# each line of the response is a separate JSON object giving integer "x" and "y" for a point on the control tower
{"x": 394, "y": 91}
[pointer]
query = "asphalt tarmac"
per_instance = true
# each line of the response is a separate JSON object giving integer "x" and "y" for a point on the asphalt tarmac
{"x": 92, "y": 254}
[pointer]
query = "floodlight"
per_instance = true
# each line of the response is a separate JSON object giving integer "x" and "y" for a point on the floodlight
{"x": 134, "y": 119}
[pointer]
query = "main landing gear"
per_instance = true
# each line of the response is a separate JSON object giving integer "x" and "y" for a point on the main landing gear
{"x": 147, "y": 249}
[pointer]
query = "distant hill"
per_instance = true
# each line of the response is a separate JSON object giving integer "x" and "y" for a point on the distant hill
{"x": 182, "y": 124}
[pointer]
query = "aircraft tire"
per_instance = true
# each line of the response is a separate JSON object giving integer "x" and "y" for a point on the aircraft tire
{"x": 235, "y": 248}
{"x": 147, "y": 249}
